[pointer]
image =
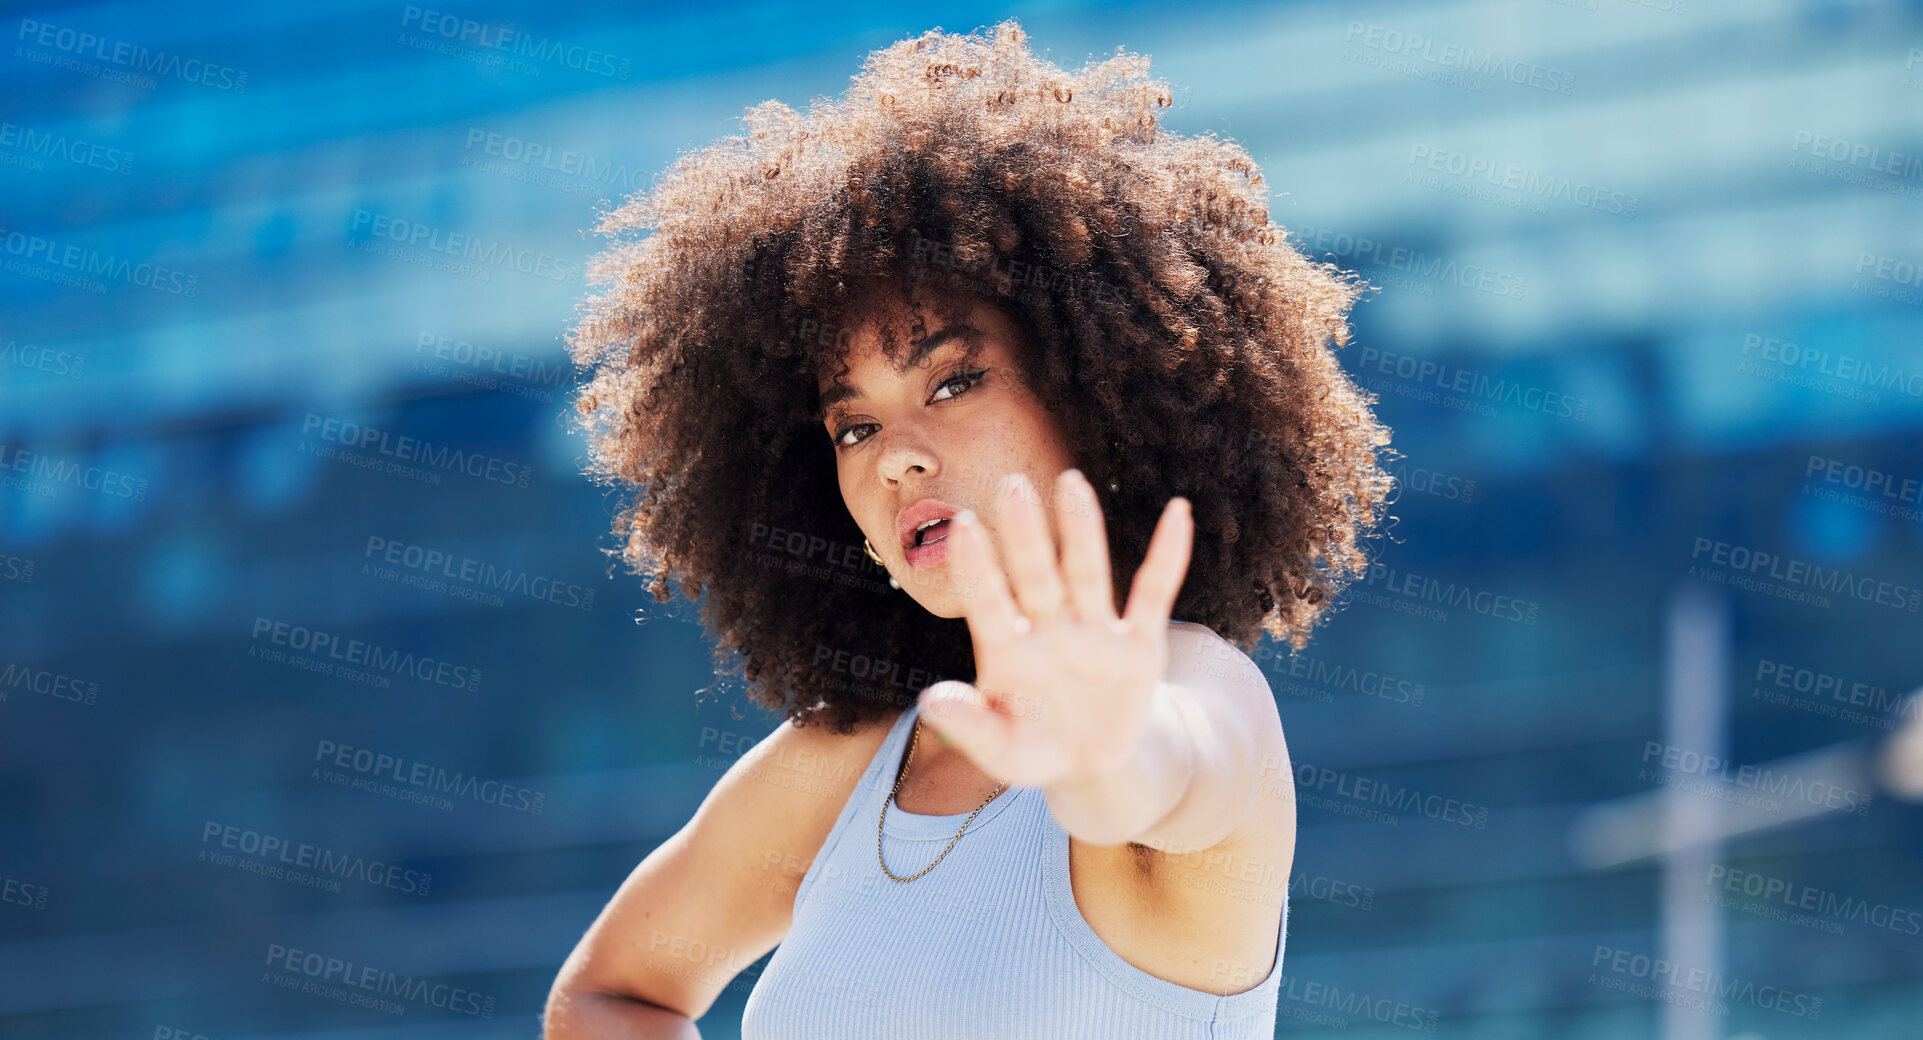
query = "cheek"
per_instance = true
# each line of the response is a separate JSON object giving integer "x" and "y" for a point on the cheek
{"x": 1041, "y": 440}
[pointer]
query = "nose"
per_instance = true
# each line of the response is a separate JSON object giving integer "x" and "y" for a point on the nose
{"x": 906, "y": 451}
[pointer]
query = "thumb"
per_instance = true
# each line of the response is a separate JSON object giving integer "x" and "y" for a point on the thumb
{"x": 959, "y": 713}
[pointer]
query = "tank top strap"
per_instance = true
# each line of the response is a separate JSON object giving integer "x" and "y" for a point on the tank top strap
{"x": 874, "y": 782}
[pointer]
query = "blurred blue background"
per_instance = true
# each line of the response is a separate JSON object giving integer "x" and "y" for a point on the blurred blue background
{"x": 1650, "y": 334}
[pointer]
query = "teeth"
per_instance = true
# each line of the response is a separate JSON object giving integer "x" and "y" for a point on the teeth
{"x": 925, "y": 525}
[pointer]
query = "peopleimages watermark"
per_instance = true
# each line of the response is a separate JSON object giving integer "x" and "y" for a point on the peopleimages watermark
{"x": 15, "y": 892}
{"x": 369, "y": 663}
{"x": 1890, "y": 278}
{"x": 1312, "y": 995}
{"x": 454, "y": 252}
{"x": 40, "y": 359}
{"x": 1744, "y": 784}
{"x": 460, "y": 361}
{"x": 405, "y": 456}
{"x": 42, "y": 258}
{"x": 46, "y": 474}
{"x": 46, "y": 683}
{"x": 1445, "y": 61}
{"x": 464, "y": 577}
{"x": 16, "y": 568}
{"x": 1831, "y": 696}
{"x": 497, "y": 45}
{"x": 1857, "y": 162}
{"x": 79, "y": 51}
{"x": 1359, "y": 249}
{"x": 275, "y": 856}
{"x": 1030, "y": 282}
{"x": 366, "y": 985}
{"x": 804, "y": 554}
{"x": 1843, "y": 374}
{"x": 1880, "y": 492}
{"x": 1786, "y": 577}
{"x": 1805, "y": 906}
{"x": 1320, "y": 679}
{"x": 1507, "y": 184}
{"x": 1673, "y": 983}
{"x": 1434, "y": 482}
{"x": 29, "y": 149}
{"x": 1464, "y": 389}
{"x": 881, "y": 678}
{"x": 1251, "y": 879}
{"x": 1349, "y": 894}
{"x": 1323, "y": 676}
{"x": 1424, "y": 597}
{"x": 1346, "y": 794}
{"x": 545, "y": 166}
{"x": 418, "y": 781}
{"x": 802, "y": 771}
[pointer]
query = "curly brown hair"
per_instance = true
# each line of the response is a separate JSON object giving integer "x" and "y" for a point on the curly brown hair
{"x": 1183, "y": 339}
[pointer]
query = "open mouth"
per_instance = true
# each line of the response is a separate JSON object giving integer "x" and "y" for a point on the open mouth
{"x": 931, "y": 532}
{"x": 924, "y": 528}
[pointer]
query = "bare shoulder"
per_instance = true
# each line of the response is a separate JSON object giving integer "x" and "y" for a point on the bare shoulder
{"x": 719, "y": 894}
{"x": 786, "y": 793}
{"x": 1241, "y": 709}
{"x": 1207, "y": 918}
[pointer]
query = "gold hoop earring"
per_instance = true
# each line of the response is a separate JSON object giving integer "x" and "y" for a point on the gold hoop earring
{"x": 879, "y": 562}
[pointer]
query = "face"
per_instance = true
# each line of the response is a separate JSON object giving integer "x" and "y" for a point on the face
{"x": 935, "y": 437}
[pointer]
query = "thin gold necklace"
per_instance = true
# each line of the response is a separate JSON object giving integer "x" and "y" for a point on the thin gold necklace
{"x": 903, "y": 775}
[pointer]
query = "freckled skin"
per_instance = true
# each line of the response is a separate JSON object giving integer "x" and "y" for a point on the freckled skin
{"x": 921, "y": 434}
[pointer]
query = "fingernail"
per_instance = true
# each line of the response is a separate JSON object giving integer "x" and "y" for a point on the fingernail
{"x": 966, "y": 516}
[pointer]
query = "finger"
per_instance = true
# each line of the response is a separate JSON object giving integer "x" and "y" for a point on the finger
{"x": 990, "y": 610}
{"x": 1084, "y": 548}
{"x": 956, "y": 711}
{"x": 1029, "y": 551}
{"x": 1151, "y": 597}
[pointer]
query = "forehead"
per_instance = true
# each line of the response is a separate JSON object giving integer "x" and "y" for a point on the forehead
{"x": 886, "y": 334}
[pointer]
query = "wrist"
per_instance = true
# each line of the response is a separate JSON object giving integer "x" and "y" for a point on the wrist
{"x": 1142, "y": 788}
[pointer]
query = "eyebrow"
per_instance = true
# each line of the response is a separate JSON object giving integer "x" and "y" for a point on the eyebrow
{"x": 841, "y": 391}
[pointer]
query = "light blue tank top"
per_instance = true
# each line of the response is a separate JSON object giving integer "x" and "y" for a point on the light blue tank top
{"x": 988, "y": 944}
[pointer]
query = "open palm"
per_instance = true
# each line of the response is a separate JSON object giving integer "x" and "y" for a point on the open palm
{"x": 1063, "y": 686}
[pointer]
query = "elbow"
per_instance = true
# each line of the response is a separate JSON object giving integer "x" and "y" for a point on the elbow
{"x": 571, "y": 1006}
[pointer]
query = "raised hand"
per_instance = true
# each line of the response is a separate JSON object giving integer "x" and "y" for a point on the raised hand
{"x": 1063, "y": 686}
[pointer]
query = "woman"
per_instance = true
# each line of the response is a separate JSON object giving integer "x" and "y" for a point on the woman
{"x": 983, "y": 329}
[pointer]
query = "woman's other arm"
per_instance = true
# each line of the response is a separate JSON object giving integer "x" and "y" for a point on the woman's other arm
{"x": 715, "y": 897}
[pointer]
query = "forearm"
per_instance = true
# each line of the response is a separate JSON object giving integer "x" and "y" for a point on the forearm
{"x": 575, "y": 1015}
{"x": 1124, "y": 803}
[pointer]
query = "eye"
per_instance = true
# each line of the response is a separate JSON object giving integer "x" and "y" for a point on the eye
{"x": 841, "y": 435}
{"x": 971, "y": 378}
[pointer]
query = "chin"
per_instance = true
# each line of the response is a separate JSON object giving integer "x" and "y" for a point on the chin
{"x": 942, "y": 606}
{"x": 937, "y": 601}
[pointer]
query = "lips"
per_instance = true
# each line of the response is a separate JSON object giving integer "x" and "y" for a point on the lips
{"x": 925, "y": 547}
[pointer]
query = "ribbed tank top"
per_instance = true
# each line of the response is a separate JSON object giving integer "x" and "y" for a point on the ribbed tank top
{"x": 988, "y": 944}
